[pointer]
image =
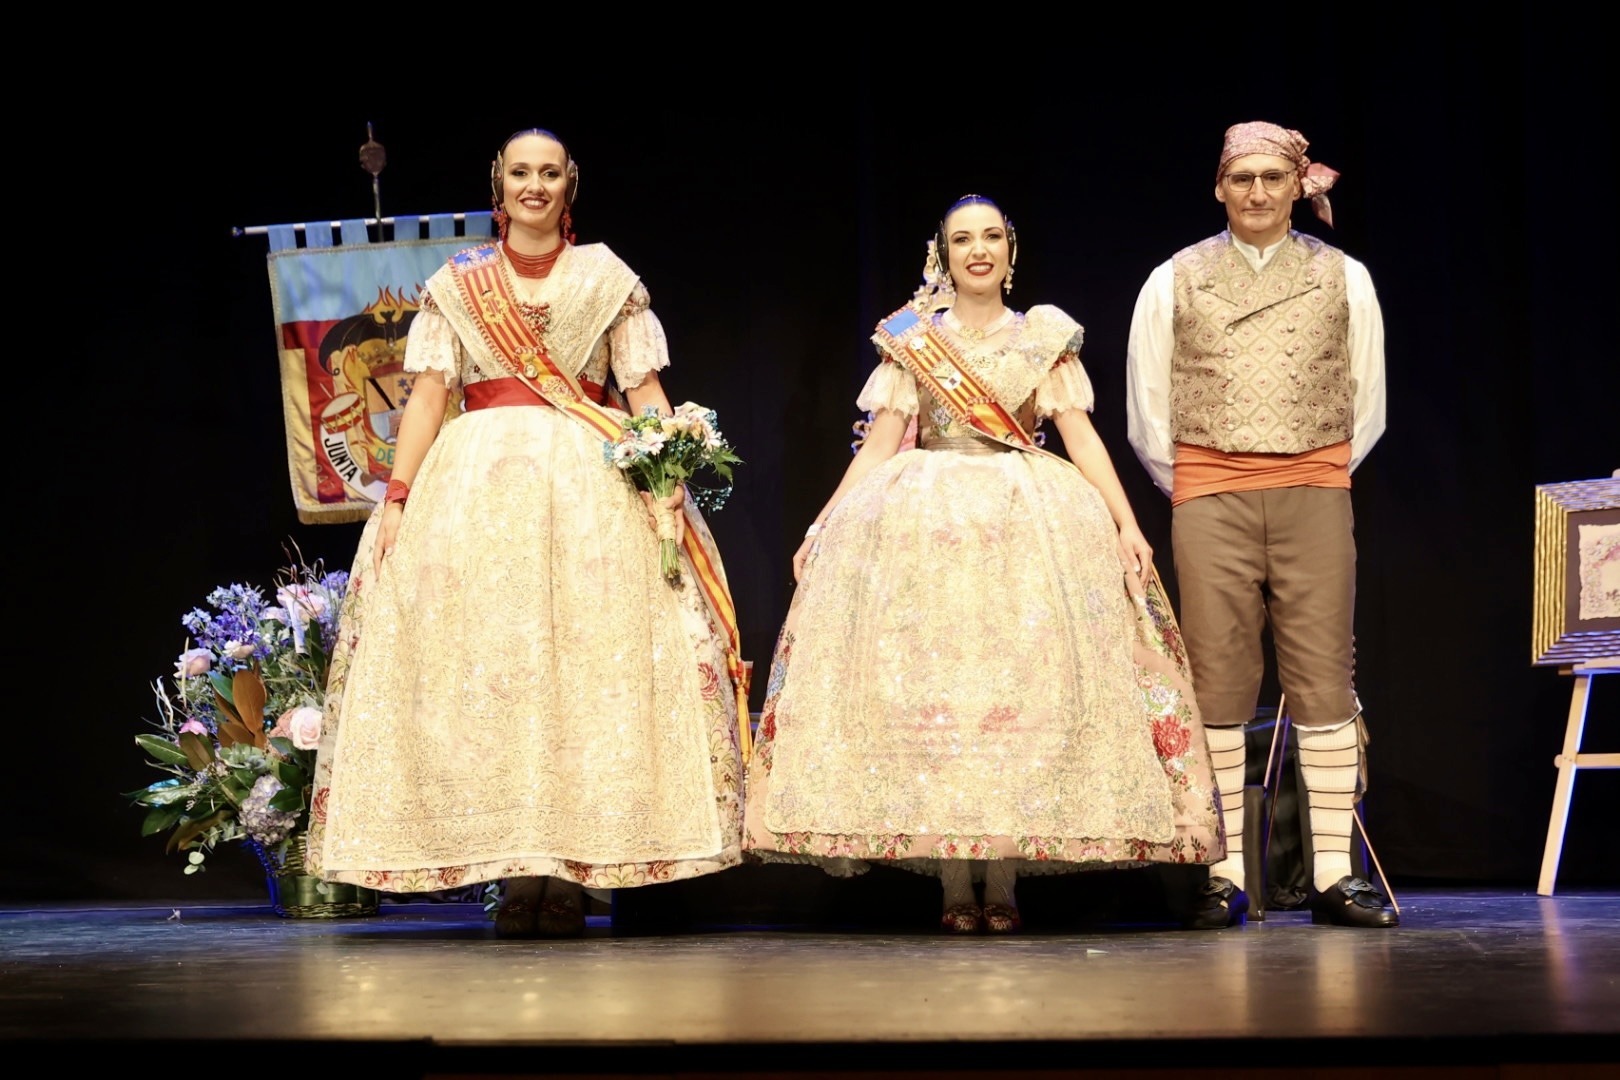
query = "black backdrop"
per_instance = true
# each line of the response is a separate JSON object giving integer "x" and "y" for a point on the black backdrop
{"x": 774, "y": 219}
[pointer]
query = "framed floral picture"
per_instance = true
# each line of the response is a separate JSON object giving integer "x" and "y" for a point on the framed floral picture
{"x": 1577, "y": 586}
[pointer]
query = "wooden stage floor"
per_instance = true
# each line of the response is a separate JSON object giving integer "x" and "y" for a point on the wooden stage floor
{"x": 1472, "y": 984}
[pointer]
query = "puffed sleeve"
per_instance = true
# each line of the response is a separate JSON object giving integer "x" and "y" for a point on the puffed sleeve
{"x": 890, "y": 386}
{"x": 432, "y": 345}
{"x": 636, "y": 341}
{"x": 1066, "y": 386}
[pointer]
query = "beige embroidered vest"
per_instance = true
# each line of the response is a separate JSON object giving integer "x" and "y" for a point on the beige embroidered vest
{"x": 1262, "y": 361}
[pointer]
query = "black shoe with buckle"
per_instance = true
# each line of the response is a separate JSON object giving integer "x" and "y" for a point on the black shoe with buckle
{"x": 1352, "y": 901}
{"x": 1220, "y": 904}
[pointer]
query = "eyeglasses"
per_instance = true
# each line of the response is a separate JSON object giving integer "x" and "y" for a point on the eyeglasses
{"x": 1273, "y": 180}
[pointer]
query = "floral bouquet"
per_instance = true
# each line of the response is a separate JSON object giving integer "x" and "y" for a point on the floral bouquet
{"x": 660, "y": 452}
{"x": 240, "y": 718}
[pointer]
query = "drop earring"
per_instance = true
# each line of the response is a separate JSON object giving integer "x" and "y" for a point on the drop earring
{"x": 502, "y": 218}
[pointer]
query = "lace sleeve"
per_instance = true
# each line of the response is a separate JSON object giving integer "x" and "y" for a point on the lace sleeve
{"x": 1066, "y": 386}
{"x": 636, "y": 341}
{"x": 432, "y": 345}
{"x": 890, "y": 386}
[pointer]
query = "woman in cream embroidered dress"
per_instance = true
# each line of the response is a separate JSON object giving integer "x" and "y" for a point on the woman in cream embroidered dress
{"x": 518, "y": 692}
{"x": 978, "y": 676}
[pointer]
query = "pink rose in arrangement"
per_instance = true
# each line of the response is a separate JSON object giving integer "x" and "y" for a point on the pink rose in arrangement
{"x": 194, "y": 662}
{"x": 299, "y": 603}
{"x": 304, "y": 726}
{"x": 283, "y": 728}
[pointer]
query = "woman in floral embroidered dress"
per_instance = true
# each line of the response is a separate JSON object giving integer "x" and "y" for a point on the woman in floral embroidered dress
{"x": 518, "y": 693}
{"x": 979, "y": 676}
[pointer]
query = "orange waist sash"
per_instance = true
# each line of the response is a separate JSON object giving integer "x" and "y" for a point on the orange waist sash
{"x": 1202, "y": 471}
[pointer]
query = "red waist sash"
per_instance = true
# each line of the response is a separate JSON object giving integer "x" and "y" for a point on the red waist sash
{"x": 492, "y": 393}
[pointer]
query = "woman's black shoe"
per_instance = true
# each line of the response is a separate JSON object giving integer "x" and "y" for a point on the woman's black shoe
{"x": 1220, "y": 904}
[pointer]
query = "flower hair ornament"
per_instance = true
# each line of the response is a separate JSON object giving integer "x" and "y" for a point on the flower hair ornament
{"x": 937, "y": 291}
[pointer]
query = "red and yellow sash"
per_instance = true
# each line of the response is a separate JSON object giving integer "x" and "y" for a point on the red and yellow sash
{"x": 487, "y": 295}
{"x": 917, "y": 346}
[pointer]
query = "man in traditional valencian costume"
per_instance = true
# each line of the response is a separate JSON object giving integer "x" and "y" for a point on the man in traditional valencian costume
{"x": 1256, "y": 371}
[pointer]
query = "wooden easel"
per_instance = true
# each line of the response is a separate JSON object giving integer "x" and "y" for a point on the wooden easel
{"x": 1572, "y": 760}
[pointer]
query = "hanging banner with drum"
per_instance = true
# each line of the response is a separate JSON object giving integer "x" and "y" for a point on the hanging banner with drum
{"x": 343, "y": 307}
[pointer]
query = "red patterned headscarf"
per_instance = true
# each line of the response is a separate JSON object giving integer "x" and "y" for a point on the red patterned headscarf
{"x": 1259, "y": 137}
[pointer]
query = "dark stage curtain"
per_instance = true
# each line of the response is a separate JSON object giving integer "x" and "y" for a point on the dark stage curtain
{"x": 772, "y": 233}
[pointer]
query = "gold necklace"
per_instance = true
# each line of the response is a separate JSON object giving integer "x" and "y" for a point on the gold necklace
{"x": 974, "y": 333}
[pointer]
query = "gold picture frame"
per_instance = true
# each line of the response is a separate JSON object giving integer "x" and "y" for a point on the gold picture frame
{"x": 1577, "y": 603}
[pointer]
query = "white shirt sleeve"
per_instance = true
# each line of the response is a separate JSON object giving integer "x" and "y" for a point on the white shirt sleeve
{"x": 1148, "y": 355}
{"x": 1366, "y": 360}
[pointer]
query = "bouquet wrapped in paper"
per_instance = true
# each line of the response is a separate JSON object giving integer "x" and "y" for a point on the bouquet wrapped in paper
{"x": 659, "y": 453}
